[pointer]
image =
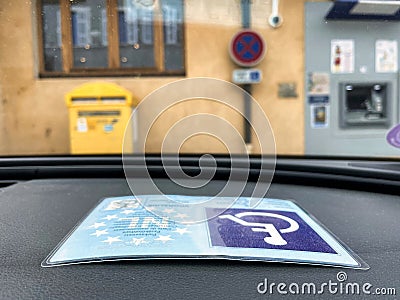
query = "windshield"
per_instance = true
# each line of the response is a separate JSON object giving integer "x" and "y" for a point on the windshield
{"x": 284, "y": 77}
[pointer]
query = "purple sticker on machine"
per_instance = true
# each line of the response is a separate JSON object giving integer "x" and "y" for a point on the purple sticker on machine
{"x": 267, "y": 229}
{"x": 393, "y": 137}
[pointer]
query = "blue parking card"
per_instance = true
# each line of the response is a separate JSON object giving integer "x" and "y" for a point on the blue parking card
{"x": 145, "y": 227}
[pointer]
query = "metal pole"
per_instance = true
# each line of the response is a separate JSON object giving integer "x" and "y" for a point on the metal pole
{"x": 246, "y": 23}
{"x": 247, "y": 114}
{"x": 246, "y": 14}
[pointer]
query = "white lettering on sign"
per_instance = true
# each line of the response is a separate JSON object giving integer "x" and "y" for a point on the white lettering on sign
{"x": 246, "y": 76}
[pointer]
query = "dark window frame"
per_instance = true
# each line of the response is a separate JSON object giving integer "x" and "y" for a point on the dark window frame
{"x": 114, "y": 69}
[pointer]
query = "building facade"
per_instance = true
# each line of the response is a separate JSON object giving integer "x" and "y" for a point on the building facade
{"x": 50, "y": 47}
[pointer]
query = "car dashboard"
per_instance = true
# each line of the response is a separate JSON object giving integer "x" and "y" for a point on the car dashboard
{"x": 42, "y": 199}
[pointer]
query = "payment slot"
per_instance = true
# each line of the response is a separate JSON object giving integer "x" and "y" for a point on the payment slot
{"x": 364, "y": 105}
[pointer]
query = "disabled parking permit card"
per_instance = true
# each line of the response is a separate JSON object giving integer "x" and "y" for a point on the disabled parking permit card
{"x": 122, "y": 228}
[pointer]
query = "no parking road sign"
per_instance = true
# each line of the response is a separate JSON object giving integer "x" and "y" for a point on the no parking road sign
{"x": 247, "y": 48}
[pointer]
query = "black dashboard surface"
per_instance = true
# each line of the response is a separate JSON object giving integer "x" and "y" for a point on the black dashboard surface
{"x": 35, "y": 215}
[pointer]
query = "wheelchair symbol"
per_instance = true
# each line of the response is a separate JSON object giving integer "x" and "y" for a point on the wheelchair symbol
{"x": 275, "y": 238}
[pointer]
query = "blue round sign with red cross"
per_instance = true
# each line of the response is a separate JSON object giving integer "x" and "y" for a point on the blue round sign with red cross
{"x": 247, "y": 48}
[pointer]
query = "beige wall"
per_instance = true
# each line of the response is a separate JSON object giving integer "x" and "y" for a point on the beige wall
{"x": 34, "y": 118}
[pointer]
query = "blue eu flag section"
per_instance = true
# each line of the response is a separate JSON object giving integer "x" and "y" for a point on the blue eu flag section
{"x": 146, "y": 227}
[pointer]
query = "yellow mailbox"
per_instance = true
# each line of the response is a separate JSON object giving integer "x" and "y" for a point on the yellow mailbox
{"x": 98, "y": 116}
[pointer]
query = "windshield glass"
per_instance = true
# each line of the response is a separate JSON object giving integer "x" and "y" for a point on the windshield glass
{"x": 285, "y": 77}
